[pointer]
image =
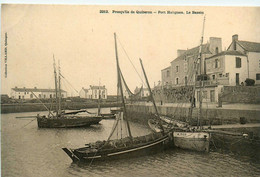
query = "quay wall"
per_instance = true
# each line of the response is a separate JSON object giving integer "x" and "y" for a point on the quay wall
{"x": 243, "y": 146}
{"x": 33, "y": 107}
{"x": 211, "y": 116}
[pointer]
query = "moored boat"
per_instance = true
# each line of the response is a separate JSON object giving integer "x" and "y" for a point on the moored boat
{"x": 121, "y": 143}
{"x": 60, "y": 119}
{"x": 195, "y": 139}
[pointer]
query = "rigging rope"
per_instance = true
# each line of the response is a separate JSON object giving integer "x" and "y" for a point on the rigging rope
{"x": 130, "y": 61}
{"x": 68, "y": 82}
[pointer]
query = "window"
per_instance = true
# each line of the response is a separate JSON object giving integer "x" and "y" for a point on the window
{"x": 168, "y": 73}
{"x": 220, "y": 75}
{"x": 177, "y": 68}
{"x": 216, "y": 50}
{"x": 204, "y": 94}
{"x": 25, "y": 93}
{"x": 31, "y": 96}
{"x": 50, "y": 95}
{"x": 185, "y": 67}
{"x": 177, "y": 81}
{"x": 213, "y": 77}
{"x": 258, "y": 76}
{"x": 40, "y": 95}
{"x": 227, "y": 74}
{"x": 186, "y": 80}
{"x": 238, "y": 62}
{"x": 216, "y": 63}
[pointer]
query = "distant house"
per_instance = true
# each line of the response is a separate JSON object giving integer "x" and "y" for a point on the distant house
{"x": 32, "y": 93}
{"x": 252, "y": 52}
{"x": 93, "y": 92}
{"x": 144, "y": 92}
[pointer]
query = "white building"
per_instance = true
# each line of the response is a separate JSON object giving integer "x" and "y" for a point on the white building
{"x": 93, "y": 92}
{"x": 32, "y": 93}
{"x": 227, "y": 68}
{"x": 252, "y": 52}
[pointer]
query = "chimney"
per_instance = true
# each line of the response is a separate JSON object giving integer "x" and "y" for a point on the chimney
{"x": 215, "y": 45}
{"x": 180, "y": 52}
{"x": 235, "y": 37}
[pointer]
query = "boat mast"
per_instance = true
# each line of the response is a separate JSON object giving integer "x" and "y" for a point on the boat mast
{"x": 200, "y": 77}
{"x": 156, "y": 110}
{"x": 99, "y": 97}
{"x": 59, "y": 88}
{"x": 56, "y": 91}
{"x": 121, "y": 89}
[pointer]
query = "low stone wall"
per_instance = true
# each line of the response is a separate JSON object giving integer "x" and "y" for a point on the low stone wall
{"x": 173, "y": 94}
{"x": 209, "y": 116}
{"x": 241, "y": 94}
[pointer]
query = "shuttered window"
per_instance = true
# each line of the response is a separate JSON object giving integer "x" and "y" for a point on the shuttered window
{"x": 238, "y": 62}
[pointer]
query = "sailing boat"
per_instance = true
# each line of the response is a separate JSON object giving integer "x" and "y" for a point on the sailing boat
{"x": 195, "y": 139}
{"x": 120, "y": 144}
{"x": 60, "y": 119}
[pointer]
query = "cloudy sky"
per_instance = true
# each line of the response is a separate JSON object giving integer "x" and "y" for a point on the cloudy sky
{"x": 82, "y": 39}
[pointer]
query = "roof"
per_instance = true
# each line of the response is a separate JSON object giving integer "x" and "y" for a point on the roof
{"x": 194, "y": 51}
{"x": 228, "y": 52}
{"x": 169, "y": 67}
{"x": 85, "y": 90}
{"x": 250, "y": 46}
{"x": 34, "y": 90}
{"x": 97, "y": 87}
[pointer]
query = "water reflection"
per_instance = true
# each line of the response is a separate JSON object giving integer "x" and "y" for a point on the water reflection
{"x": 28, "y": 151}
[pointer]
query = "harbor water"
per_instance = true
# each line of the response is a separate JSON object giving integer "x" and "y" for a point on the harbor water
{"x": 28, "y": 151}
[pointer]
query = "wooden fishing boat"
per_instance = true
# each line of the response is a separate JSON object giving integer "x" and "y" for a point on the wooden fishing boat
{"x": 67, "y": 120}
{"x": 60, "y": 119}
{"x": 194, "y": 139}
{"x": 121, "y": 145}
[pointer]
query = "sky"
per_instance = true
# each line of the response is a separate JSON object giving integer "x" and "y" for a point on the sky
{"x": 82, "y": 39}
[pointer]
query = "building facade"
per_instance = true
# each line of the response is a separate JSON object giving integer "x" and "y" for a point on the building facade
{"x": 32, "y": 93}
{"x": 181, "y": 72}
{"x": 93, "y": 92}
{"x": 227, "y": 68}
{"x": 166, "y": 76}
{"x": 252, "y": 52}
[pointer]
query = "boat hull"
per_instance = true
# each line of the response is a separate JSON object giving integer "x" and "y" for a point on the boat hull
{"x": 120, "y": 153}
{"x": 196, "y": 141}
{"x": 67, "y": 121}
{"x": 108, "y": 116}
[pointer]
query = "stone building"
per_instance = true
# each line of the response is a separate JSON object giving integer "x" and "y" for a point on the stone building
{"x": 181, "y": 72}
